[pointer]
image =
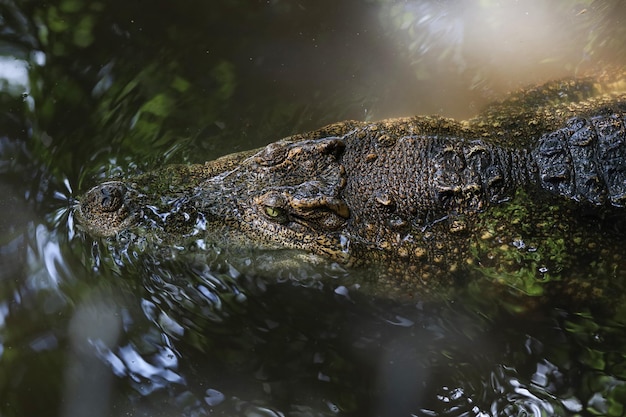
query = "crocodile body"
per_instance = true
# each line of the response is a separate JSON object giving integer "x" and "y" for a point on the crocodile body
{"x": 415, "y": 195}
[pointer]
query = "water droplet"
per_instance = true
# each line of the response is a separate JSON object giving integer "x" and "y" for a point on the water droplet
{"x": 213, "y": 397}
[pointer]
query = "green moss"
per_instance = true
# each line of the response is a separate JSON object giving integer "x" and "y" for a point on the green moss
{"x": 520, "y": 245}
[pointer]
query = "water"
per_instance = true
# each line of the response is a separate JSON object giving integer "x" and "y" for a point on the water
{"x": 95, "y": 89}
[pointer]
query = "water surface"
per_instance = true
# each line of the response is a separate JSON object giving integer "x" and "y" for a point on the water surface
{"x": 96, "y": 89}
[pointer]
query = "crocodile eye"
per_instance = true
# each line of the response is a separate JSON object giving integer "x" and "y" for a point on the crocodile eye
{"x": 272, "y": 204}
{"x": 277, "y": 214}
{"x": 273, "y": 211}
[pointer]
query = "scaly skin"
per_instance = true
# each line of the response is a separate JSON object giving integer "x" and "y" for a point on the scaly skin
{"x": 419, "y": 197}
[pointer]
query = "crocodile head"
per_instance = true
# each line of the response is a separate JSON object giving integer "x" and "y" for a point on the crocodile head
{"x": 287, "y": 195}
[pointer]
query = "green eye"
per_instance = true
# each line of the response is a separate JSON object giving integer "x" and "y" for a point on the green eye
{"x": 273, "y": 211}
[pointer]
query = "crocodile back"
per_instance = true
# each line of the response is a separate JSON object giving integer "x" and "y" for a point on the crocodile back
{"x": 419, "y": 179}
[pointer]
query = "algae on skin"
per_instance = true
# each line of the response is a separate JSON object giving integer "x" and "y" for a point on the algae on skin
{"x": 532, "y": 245}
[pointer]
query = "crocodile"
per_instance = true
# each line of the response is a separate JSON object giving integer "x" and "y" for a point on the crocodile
{"x": 421, "y": 199}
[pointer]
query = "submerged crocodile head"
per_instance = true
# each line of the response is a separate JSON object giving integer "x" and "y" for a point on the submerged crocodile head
{"x": 286, "y": 195}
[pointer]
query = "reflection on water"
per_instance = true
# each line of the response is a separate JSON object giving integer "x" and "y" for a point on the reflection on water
{"x": 95, "y": 89}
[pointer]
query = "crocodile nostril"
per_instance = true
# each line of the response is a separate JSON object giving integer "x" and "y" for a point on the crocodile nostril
{"x": 110, "y": 198}
{"x": 107, "y": 197}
